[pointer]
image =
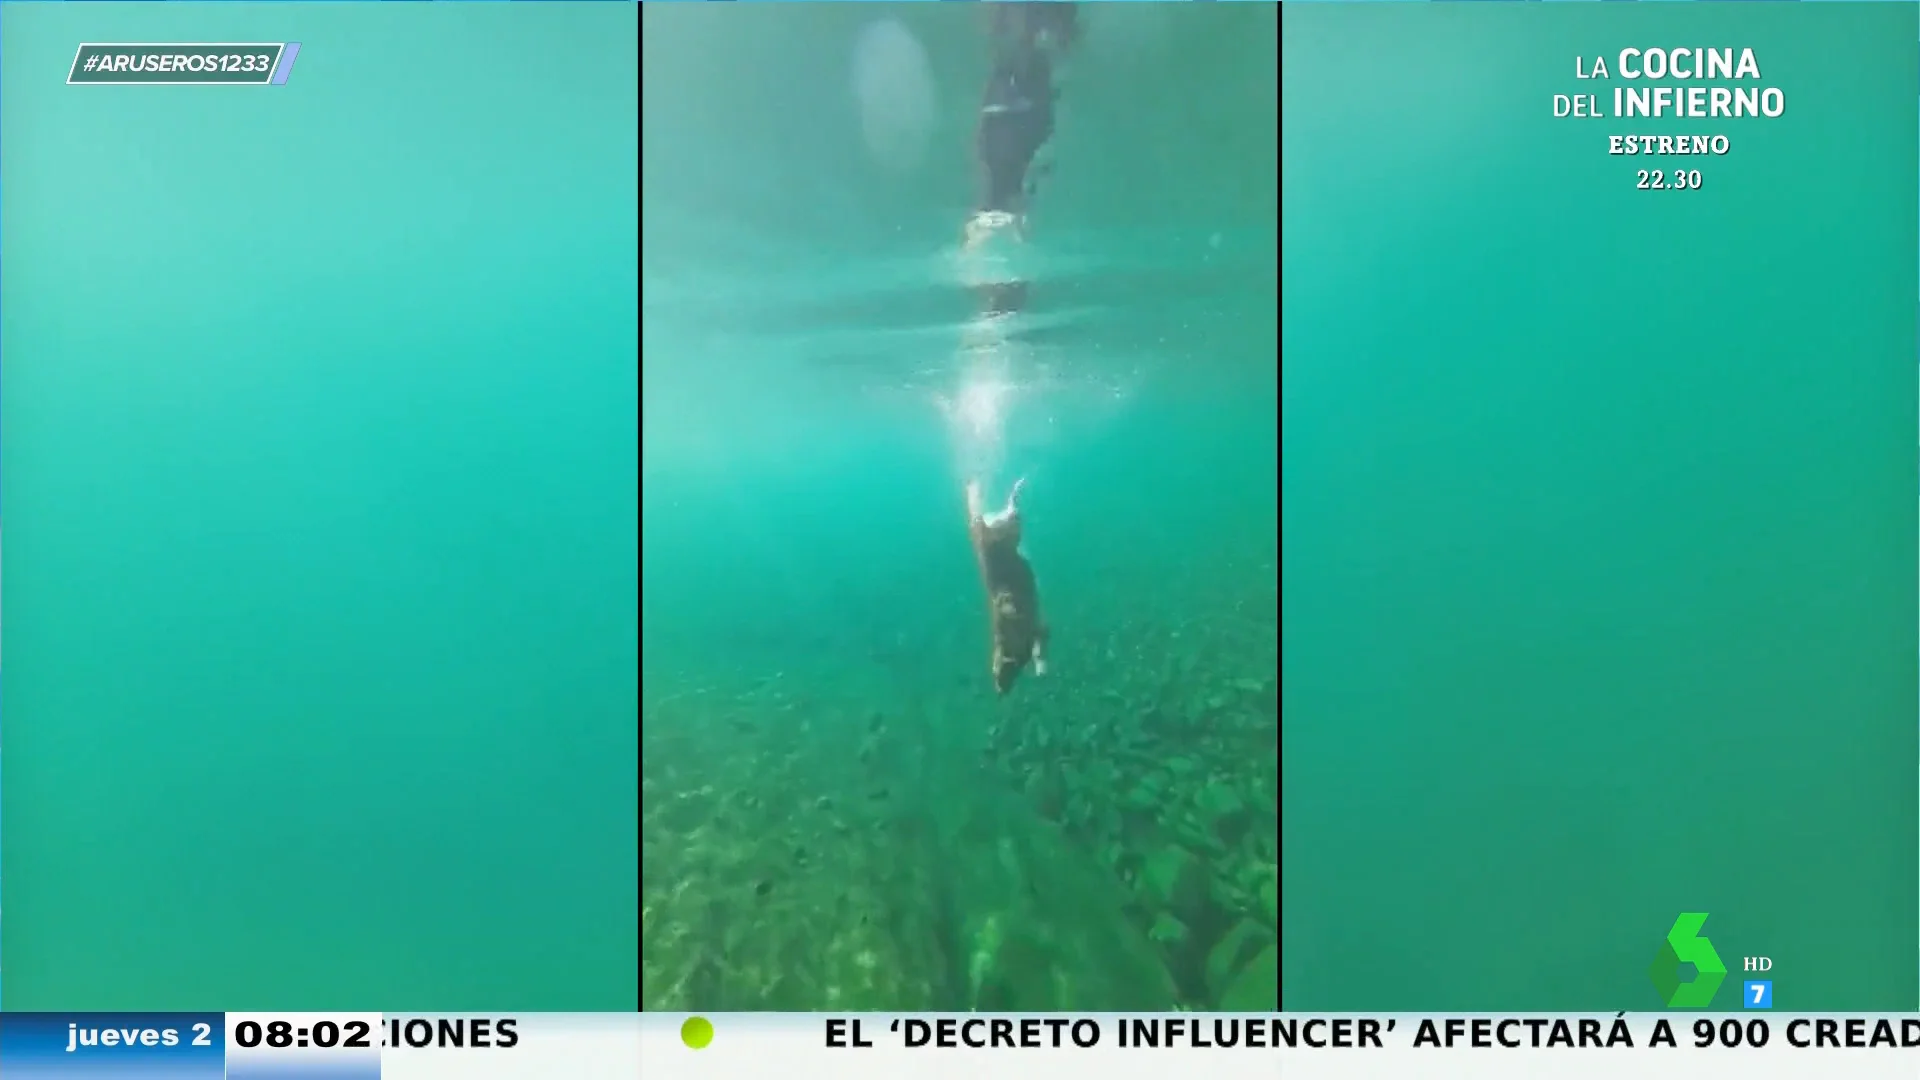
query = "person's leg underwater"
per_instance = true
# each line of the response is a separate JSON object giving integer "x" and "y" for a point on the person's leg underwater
{"x": 1026, "y": 41}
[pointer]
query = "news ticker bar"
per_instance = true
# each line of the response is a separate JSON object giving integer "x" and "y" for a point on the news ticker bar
{"x": 1684, "y": 1045}
{"x": 192, "y": 64}
{"x": 318, "y": 1046}
{"x": 1681, "y": 1044}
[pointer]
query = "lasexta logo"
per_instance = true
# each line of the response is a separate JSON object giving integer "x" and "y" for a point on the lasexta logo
{"x": 1685, "y": 945}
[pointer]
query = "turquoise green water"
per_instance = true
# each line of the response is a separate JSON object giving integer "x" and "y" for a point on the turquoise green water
{"x": 837, "y": 812}
{"x": 1599, "y": 528}
{"x": 321, "y": 475}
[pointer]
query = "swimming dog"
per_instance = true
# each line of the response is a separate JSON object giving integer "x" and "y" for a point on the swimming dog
{"x": 1018, "y": 632}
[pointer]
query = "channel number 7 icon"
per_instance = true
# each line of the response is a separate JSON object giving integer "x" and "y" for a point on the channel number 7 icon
{"x": 1758, "y": 994}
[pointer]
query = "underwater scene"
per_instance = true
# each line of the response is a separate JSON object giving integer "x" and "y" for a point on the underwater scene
{"x": 959, "y": 507}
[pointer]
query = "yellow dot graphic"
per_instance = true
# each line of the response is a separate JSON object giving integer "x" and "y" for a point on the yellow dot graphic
{"x": 697, "y": 1032}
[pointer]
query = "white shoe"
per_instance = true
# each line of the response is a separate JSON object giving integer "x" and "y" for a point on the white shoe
{"x": 987, "y": 224}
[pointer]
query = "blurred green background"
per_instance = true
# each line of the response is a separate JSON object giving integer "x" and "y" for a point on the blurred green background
{"x": 321, "y": 479}
{"x": 1599, "y": 600}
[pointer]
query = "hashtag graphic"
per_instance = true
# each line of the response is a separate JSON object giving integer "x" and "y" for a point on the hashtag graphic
{"x": 183, "y": 63}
